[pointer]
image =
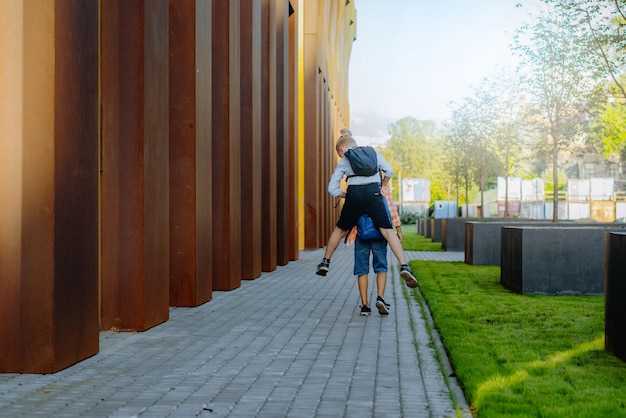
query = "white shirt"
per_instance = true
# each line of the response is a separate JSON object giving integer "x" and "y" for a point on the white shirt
{"x": 343, "y": 168}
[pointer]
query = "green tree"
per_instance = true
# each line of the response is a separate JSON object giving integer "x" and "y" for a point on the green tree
{"x": 559, "y": 73}
{"x": 413, "y": 147}
{"x": 600, "y": 28}
{"x": 468, "y": 132}
{"x": 610, "y": 127}
{"x": 458, "y": 153}
{"x": 501, "y": 107}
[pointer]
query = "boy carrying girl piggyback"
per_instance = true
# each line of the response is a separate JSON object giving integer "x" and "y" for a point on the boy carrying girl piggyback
{"x": 362, "y": 167}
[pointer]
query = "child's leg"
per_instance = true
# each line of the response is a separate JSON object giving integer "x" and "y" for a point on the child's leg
{"x": 333, "y": 241}
{"x": 381, "y": 283}
{"x": 363, "y": 289}
{"x": 381, "y": 305}
{"x": 394, "y": 243}
{"x": 362, "y": 266}
{"x": 379, "y": 263}
{"x": 396, "y": 247}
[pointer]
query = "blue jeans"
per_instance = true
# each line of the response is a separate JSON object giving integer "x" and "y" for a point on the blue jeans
{"x": 362, "y": 249}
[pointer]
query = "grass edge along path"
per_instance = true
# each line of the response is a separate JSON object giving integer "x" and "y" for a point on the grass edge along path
{"x": 456, "y": 393}
{"x": 522, "y": 355}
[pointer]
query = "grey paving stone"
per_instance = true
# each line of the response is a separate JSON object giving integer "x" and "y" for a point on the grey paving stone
{"x": 287, "y": 344}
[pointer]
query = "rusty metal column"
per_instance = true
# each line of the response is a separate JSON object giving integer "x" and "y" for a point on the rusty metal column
{"x": 190, "y": 153}
{"x": 268, "y": 130}
{"x": 135, "y": 164}
{"x": 292, "y": 132}
{"x": 48, "y": 184}
{"x": 251, "y": 180}
{"x": 226, "y": 138}
{"x": 282, "y": 128}
{"x": 313, "y": 177}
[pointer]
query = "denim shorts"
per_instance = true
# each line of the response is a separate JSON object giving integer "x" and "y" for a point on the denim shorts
{"x": 362, "y": 249}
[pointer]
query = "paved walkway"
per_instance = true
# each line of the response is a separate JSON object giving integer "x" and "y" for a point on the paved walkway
{"x": 288, "y": 344}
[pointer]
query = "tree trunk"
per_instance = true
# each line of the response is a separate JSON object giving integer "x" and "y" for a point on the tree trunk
{"x": 555, "y": 179}
{"x": 506, "y": 195}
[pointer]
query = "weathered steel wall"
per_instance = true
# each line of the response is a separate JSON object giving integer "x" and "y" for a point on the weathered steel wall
{"x": 135, "y": 163}
{"x": 328, "y": 33}
{"x": 226, "y": 141}
{"x": 190, "y": 185}
{"x": 48, "y": 184}
{"x": 251, "y": 113}
{"x": 153, "y": 151}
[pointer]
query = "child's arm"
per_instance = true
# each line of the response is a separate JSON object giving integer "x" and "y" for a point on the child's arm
{"x": 385, "y": 167}
{"x": 335, "y": 179}
{"x": 399, "y": 233}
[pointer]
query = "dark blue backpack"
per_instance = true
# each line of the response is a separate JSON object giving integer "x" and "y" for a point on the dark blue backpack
{"x": 363, "y": 161}
{"x": 366, "y": 229}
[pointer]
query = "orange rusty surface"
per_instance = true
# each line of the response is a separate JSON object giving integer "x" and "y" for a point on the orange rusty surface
{"x": 268, "y": 136}
{"x": 226, "y": 146}
{"x": 190, "y": 243}
{"x": 135, "y": 162}
{"x": 48, "y": 291}
{"x": 282, "y": 137}
{"x": 251, "y": 180}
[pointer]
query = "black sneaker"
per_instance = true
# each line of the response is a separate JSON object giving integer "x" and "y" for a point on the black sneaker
{"x": 383, "y": 307}
{"x": 322, "y": 268}
{"x": 365, "y": 310}
{"x": 407, "y": 275}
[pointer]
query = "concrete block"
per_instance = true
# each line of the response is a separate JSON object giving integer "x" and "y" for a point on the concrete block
{"x": 615, "y": 293}
{"x": 436, "y": 229}
{"x": 483, "y": 239}
{"x": 428, "y": 230}
{"x": 453, "y": 233}
{"x": 553, "y": 260}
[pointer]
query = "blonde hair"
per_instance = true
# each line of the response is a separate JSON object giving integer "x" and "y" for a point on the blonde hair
{"x": 345, "y": 142}
{"x": 345, "y": 132}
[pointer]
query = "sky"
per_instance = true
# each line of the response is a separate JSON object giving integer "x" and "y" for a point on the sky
{"x": 414, "y": 57}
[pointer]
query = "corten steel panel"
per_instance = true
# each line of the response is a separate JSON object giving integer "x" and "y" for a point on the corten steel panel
{"x": 328, "y": 145}
{"x": 327, "y": 160}
{"x": 268, "y": 134}
{"x": 204, "y": 121}
{"x": 135, "y": 164}
{"x": 282, "y": 126}
{"x": 190, "y": 243}
{"x": 313, "y": 177}
{"x": 48, "y": 185}
{"x": 293, "y": 134}
{"x": 251, "y": 181}
{"x": 226, "y": 145}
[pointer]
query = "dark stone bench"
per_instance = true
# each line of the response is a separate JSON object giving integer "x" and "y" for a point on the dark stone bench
{"x": 453, "y": 233}
{"x": 436, "y": 229}
{"x": 421, "y": 226}
{"x": 615, "y": 293}
{"x": 483, "y": 239}
{"x": 554, "y": 260}
{"x": 428, "y": 228}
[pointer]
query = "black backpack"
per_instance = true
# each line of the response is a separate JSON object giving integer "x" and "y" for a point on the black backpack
{"x": 363, "y": 161}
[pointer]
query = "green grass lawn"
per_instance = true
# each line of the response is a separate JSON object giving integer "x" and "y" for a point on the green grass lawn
{"x": 522, "y": 355}
{"x": 414, "y": 242}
